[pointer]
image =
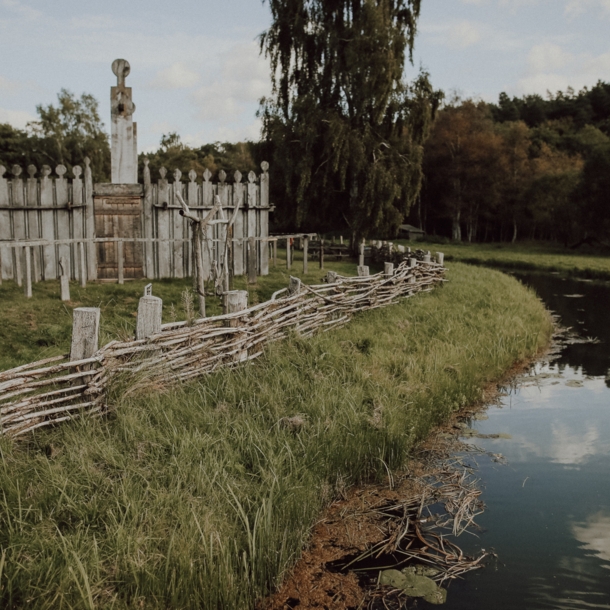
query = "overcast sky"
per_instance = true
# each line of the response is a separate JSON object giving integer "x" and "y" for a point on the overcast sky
{"x": 195, "y": 66}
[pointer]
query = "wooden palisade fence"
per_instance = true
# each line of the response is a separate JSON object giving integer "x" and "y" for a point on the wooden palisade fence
{"x": 61, "y": 388}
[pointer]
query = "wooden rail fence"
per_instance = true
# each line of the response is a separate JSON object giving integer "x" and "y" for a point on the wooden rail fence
{"x": 64, "y": 387}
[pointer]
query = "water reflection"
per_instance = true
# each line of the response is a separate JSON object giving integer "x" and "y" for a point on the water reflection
{"x": 548, "y": 515}
{"x": 595, "y": 535}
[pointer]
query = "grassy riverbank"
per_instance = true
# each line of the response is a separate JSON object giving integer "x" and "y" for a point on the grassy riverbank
{"x": 201, "y": 496}
{"x": 532, "y": 256}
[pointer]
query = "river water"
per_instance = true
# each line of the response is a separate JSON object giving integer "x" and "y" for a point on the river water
{"x": 548, "y": 507}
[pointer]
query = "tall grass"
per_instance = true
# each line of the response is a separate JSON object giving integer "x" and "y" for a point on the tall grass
{"x": 201, "y": 496}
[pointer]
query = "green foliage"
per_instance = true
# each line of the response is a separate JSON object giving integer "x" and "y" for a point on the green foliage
{"x": 174, "y": 154}
{"x": 64, "y": 134}
{"x": 198, "y": 497}
{"x": 345, "y": 130}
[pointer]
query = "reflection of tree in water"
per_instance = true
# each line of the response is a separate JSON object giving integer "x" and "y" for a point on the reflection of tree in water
{"x": 587, "y": 316}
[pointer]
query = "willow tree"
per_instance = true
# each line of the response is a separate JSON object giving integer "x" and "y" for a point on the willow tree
{"x": 346, "y": 129}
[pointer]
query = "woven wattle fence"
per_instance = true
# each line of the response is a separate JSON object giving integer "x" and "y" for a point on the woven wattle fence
{"x": 57, "y": 389}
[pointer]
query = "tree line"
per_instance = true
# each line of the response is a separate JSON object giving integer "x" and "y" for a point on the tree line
{"x": 500, "y": 172}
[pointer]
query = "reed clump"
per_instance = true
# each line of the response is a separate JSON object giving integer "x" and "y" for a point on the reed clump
{"x": 202, "y": 495}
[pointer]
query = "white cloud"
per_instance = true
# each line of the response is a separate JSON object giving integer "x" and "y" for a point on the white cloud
{"x": 595, "y": 535}
{"x": 575, "y": 8}
{"x": 243, "y": 78}
{"x": 21, "y": 9}
{"x": 463, "y": 34}
{"x": 8, "y": 86}
{"x": 176, "y": 76}
{"x": 16, "y": 118}
{"x": 571, "y": 447}
{"x": 548, "y": 57}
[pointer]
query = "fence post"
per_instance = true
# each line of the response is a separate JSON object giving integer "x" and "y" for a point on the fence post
{"x": 427, "y": 257}
{"x": 235, "y": 300}
{"x": 288, "y": 254}
{"x": 251, "y": 260}
{"x": 305, "y": 251}
{"x": 150, "y": 311}
{"x": 0, "y": 266}
{"x": 295, "y": 286}
{"x": 121, "y": 260}
{"x": 363, "y": 270}
{"x": 332, "y": 277}
{"x": 64, "y": 280}
{"x": 341, "y": 239}
{"x": 18, "y": 266}
{"x": 440, "y": 258}
{"x": 275, "y": 252}
{"x": 388, "y": 269}
{"x": 412, "y": 262}
{"x": 85, "y": 332}
{"x": 361, "y": 258}
{"x": 321, "y": 253}
{"x": 28, "y": 271}
{"x": 83, "y": 268}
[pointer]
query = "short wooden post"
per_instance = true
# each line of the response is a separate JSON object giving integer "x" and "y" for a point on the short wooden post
{"x": 294, "y": 287}
{"x": 150, "y": 313}
{"x": 427, "y": 257}
{"x": 275, "y": 252}
{"x": 288, "y": 254}
{"x": 321, "y": 253}
{"x": 440, "y": 258}
{"x": 0, "y": 266}
{"x": 18, "y": 266}
{"x": 388, "y": 269}
{"x": 121, "y": 259}
{"x": 361, "y": 258}
{"x": 64, "y": 280}
{"x": 28, "y": 272}
{"x": 236, "y": 300}
{"x": 85, "y": 332}
{"x": 251, "y": 260}
{"x": 83, "y": 268}
{"x": 198, "y": 256}
{"x": 332, "y": 277}
{"x": 363, "y": 270}
{"x": 412, "y": 262}
{"x": 305, "y": 252}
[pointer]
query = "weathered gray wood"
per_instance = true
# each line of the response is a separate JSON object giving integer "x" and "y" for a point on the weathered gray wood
{"x": 193, "y": 200}
{"x": 207, "y": 200}
{"x": 78, "y": 229}
{"x": 252, "y": 194}
{"x": 163, "y": 248}
{"x": 294, "y": 287}
{"x": 197, "y": 253}
{"x": 18, "y": 271}
{"x": 28, "y": 271}
{"x": 82, "y": 266}
{"x": 150, "y": 312}
{"x": 85, "y": 332}
{"x": 90, "y": 222}
{"x": 440, "y": 258}
{"x": 388, "y": 269}
{"x": 33, "y": 222}
{"x": 331, "y": 277}
{"x": 108, "y": 189}
{"x": 275, "y": 252}
{"x": 361, "y": 256}
{"x": 123, "y": 145}
{"x": 427, "y": 257}
{"x": 121, "y": 261}
{"x": 341, "y": 239}
{"x": 177, "y": 229}
{"x": 363, "y": 270}
{"x": 235, "y": 300}
{"x": 305, "y": 251}
{"x": 288, "y": 253}
{"x": 63, "y": 216}
{"x": 412, "y": 262}
{"x": 6, "y": 255}
{"x": 252, "y": 260}
{"x": 49, "y": 254}
{"x": 64, "y": 279}
{"x": 147, "y": 224}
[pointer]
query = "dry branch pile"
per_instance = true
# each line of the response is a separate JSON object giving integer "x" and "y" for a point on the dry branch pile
{"x": 55, "y": 389}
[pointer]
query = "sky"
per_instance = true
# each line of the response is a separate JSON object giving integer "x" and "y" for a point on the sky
{"x": 196, "y": 67}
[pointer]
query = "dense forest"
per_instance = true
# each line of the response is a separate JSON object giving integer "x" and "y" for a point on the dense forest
{"x": 524, "y": 168}
{"x": 527, "y": 167}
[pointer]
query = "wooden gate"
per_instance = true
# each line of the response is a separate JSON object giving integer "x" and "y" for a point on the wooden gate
{"x": 118, "y": 215}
